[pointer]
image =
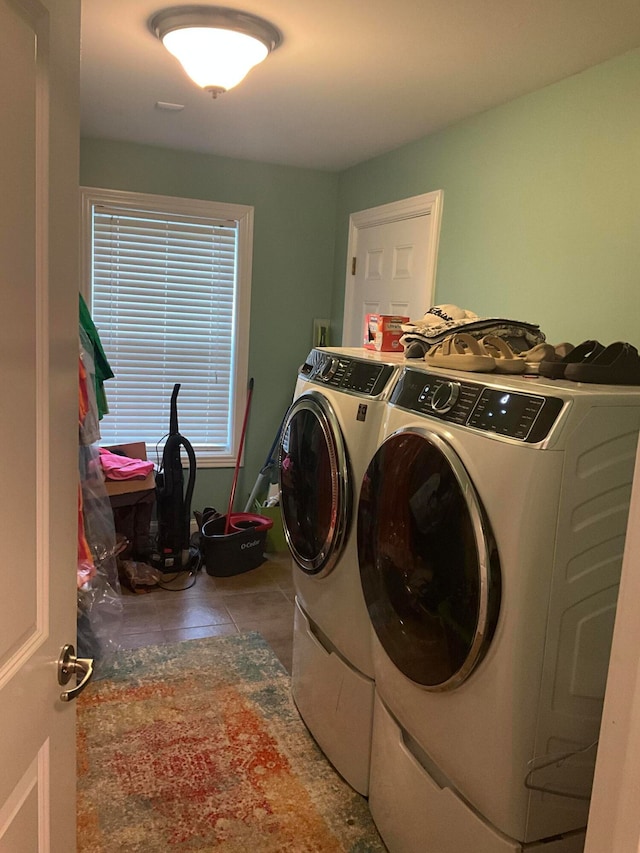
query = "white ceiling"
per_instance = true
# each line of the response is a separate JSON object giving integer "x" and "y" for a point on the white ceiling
{"x": 351, "y": 79}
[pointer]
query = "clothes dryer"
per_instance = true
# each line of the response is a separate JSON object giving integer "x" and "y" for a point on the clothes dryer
{"x": 329, "y": 435}
{"x": 491, "y": 526}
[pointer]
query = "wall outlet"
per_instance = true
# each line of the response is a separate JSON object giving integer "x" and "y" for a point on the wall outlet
{"x": 321, "y": 333}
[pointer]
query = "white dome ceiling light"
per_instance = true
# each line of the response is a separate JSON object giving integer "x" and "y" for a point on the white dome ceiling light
{"x": 216, "y": 46}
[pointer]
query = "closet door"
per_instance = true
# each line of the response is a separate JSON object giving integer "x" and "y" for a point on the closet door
{"x": 39, "y": 78}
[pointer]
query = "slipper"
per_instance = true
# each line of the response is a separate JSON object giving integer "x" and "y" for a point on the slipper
{"x": 534, "y": 356}
{"x": 563, "y": 349}
{"x": 415, "y": 349}
{"x": 461, "y": 352}
{"x": 556, "y": 368}
{"x": 505, "y": 358}
{"x": 617, "y": 364}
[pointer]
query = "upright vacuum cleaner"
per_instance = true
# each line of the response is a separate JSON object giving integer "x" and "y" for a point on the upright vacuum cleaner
{"x": 173, "y": 501}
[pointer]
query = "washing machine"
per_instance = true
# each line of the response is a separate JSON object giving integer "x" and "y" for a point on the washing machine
{"x": 329, "y": 435}
{"x": 491, "y": 527}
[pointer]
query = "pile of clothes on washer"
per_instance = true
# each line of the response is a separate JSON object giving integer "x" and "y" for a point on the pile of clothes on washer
{"x": 452, "y": 337}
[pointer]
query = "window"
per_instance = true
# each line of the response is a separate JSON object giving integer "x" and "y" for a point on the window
{"x": 169, "y": 291}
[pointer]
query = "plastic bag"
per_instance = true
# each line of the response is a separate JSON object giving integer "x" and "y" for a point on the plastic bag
{"x": 139, "y": 577}
{"x": 99, "y": 598}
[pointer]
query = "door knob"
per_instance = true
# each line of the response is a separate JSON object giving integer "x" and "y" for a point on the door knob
{"x": 68, "y": 665}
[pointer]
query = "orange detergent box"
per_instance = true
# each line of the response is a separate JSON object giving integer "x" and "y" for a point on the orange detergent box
{"x": 382, "y": 332}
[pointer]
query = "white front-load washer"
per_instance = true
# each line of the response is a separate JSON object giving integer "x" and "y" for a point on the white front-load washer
{"x": 491, "y": 526}
{"x": 329, "y": 435}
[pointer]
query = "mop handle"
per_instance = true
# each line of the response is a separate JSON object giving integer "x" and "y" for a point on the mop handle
{"x": 227, "y": 525}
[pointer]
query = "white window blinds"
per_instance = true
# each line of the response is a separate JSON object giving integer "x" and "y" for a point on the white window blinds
{"x": 164, "y": 299}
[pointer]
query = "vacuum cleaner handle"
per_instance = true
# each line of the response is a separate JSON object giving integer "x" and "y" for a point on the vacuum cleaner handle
{"x": 173, "y": 411}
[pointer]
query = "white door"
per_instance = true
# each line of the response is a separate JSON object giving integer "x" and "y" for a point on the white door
{"x": 392, "y": 261}
{"x": 39, "y": 139}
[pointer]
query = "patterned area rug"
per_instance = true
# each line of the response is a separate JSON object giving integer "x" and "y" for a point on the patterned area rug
{"x": 197, "y": 746}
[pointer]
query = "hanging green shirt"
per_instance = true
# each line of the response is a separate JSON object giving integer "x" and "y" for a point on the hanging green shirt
{"x": 102, "y": 367}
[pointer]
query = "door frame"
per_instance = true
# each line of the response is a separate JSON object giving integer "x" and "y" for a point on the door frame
{"x": 616, "y": 785}
{"x": 427, "y": 204}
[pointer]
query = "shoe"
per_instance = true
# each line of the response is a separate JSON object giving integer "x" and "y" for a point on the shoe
{"x": 617, "y": 364}
{"x": 556, "y": 368}
{"x": 505, "y": 358}
{"x": 204, "y": 516}
{"x": 533, "y": 357}
{"x": 415, "y": 349}
{"x": 461, "y": 352}
{"x": 563, "y": 349}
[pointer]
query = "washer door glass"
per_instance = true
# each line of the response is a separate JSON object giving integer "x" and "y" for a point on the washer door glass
{"x": 428, "y": 562}
{"x": 315, "y": 484}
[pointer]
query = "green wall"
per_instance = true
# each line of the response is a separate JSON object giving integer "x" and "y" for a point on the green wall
{"x": 541, "y": 223}
{"x": 541, "y": 215}
{"x": 292, "y": 269}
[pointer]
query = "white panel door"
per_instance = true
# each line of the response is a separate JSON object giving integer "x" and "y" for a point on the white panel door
{"x": 39, "y": 78}
{"x": 392, "y": 256}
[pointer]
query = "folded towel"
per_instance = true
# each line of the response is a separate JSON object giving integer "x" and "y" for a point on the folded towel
{"x": 117, "y": 467}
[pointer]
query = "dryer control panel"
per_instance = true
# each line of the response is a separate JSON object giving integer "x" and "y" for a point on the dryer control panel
{"x": 526, "y": 417}
{"x": 354, "y": 375}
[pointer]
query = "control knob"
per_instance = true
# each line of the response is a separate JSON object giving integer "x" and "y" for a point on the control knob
{"x": 328, "y": 369}
{"x": 445, "y": 397}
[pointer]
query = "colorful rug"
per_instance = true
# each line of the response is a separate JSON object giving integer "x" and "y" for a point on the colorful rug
{"x": 197, "y": 746}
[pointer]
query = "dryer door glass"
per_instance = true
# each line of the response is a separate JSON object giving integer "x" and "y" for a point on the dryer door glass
{"x": 315, "y": 484}
{"x": 428, "y": 562}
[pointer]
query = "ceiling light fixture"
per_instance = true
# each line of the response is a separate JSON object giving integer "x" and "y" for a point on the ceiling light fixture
{"x": 216, "y": 46}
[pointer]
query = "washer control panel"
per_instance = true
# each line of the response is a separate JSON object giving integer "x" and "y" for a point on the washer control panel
{"x": 527, "y": 417}
{"x": 354, "y": 375}
{"x": 444, "y": 397}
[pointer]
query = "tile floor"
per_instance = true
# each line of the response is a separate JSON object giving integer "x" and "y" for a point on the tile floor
{"x": 258, "y": 600}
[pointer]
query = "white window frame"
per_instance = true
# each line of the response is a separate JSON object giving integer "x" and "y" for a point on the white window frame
{"x": 243, "y": 216}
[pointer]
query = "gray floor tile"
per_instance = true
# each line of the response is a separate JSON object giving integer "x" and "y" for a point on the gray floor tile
{"x": 259, "y": 579}
{"x": 178, "y": 634}
{"x": 144, "y": 602}
{"x": 277, "y": 626}
{"x": 258, "y": 606}
{"x": 137, "y": 641}
{"x": 141, "y": 622}
{"x": 259, "y": 600}
{"x": 282, "y": 574}
{"x": 189, "y": 613}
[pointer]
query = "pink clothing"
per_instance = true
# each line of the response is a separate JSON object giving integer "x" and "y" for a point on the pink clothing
{"x": 122, "y": 467}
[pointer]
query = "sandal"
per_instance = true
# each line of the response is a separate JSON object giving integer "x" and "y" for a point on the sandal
{"x": 461, "y": 352}
{"x": 617, "y": 364}
{"x": 505, "y": 358}
{"x": 533, "y": 357}
{"x": 544, "y": 354}
{"x": 556, "y": 368}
